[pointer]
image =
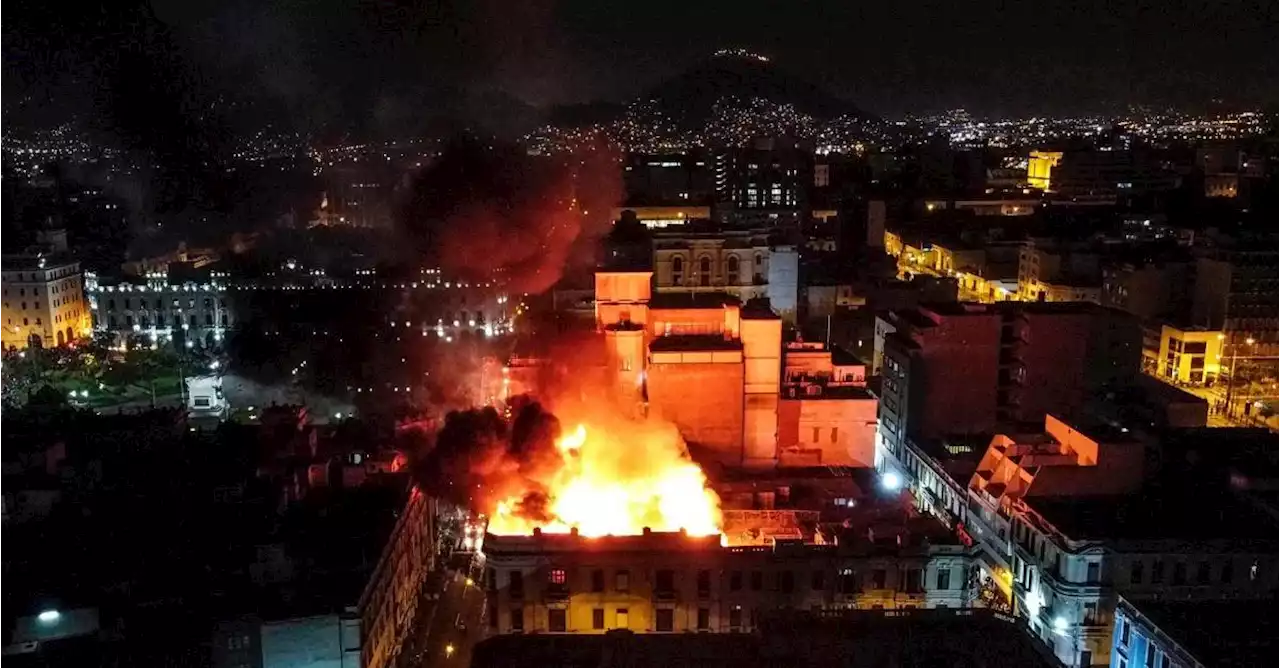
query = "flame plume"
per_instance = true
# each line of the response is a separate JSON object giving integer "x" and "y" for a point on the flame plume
{"x": 616, "y": 485}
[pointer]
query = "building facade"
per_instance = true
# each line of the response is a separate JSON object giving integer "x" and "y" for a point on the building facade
{"x": 714, "y": 368}
{"x": 1015, "y": 362}
{"x": 673, "y": 583}
{"x": 1064, "y": 524}
{"x": 44, "y": 302}
{"x": 159, "y": 312}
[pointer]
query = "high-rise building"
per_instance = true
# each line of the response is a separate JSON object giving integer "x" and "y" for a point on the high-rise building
{"x": 1236, "y": 292}
{"x": 764, "y": 184}
{"x": 965, "y": 368}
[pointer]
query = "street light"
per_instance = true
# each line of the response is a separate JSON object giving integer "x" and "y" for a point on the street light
{"x": 1231, "y": 380}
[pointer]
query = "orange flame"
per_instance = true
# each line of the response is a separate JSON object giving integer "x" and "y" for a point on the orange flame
{"x": 614, "y": 487}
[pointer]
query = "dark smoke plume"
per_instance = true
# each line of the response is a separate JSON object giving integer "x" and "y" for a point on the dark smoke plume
{"x": 484, "y": 210}
{"x": 479, "y": 458}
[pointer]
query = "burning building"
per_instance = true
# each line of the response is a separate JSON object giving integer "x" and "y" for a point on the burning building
{"x": 659, "y": 582}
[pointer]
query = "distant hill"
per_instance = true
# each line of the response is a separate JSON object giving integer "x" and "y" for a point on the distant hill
{"x": 730, "y": 99}
{"x": 693, "y": 94}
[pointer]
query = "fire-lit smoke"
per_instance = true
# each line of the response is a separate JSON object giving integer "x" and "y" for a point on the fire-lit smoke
{"x": 607, "y": 474}
{"x": 483, "y": 210}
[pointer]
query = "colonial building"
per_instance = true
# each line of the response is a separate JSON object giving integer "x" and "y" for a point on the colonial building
{"x": 44, "y": 296}
{"x": 674, "y": 583}
{"x": 158, "y": 311}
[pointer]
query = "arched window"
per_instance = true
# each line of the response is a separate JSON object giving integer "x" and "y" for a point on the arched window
{"x": 732, "y": 278}
{"x": 677, "y": 270}
{"x": 704, "y": 271}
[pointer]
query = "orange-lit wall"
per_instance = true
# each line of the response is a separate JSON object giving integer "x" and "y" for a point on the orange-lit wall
{"x": 701, "y": 393}
{"x": 762, "y": 350}
{"x": 622, "y": 297}
{"x": 678, "y": 321}
{"x": 827, "y": 432}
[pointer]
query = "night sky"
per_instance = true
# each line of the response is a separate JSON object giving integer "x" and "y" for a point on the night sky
{"x": 321, "y": 62}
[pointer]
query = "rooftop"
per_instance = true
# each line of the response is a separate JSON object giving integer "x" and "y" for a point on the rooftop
{"x": 692, "y": 300}
{"x": 1174, "y": 513}
{"x": 1219, "y": 633}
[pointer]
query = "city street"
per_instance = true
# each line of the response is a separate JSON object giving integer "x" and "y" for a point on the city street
{"x": 450, "y": 624}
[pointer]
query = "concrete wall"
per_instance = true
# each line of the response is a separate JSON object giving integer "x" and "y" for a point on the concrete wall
{"x": 701, "y": 393}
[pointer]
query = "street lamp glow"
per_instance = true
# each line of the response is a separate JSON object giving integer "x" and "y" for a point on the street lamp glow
{"x": 1060, "y": 624}
{"x": 49, "y": 616}
{"x": 891, "y": 481}
{"x": 213, "y": 366}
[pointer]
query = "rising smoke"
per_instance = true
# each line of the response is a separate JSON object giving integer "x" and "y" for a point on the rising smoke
{"x": 484, "y": 210}
{"x": 480, "y": 458}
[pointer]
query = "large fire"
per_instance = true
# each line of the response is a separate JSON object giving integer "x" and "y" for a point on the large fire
{"x": 619, "y": 486}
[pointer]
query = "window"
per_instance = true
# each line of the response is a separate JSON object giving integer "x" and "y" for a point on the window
{"x": 732, "y": 277}
{"x": 556, "y": 620}
{"x": 835, "y": 434}
{"x": 757, "y": 580}
{"x": 1202, "y": 573}
{"x": 1126, "y": 630}
{"x": 517, "y": 619}
{"x": 516, "y": 588}
{"x": 1093, "y": 573}
{"x": 1180, "y": 573}
{"x": 597, "y": 619}
{"x": 704, "y": 271}
{"x": 622, "y": 618}
{"x": 912, "y": 583}
{"x": 735, "y": 618}
{"x": 817, "y": 431}
{"x": 597, "y": 581}
{"x": 704, "y": 619}
{"x": 665, "y": 581}
{"x": 622, "y": 581}
{"x": 491, "y": 579}
{"x": 1135, "y": 573}
{"x": 735, "y": 581}
{"x": 1227, "y": 572}
{"x": 786, "y": 581}
{"x": 665, "y": 620}
{"x": 1164, "y": 661}
{"x": 818, "y": 582}
{"x": 878, "y": 577}
{"x": 944, "y": 578}
{"x": 677, "y": 270}
{"x": 1086, "y": 658}
{"x": 1157, "y": 572}
{"x": 704, "y": 583}
{"x": 848, "y": 583}
{"x": 1151, "y": 656}
{"x": 557, "y": 576}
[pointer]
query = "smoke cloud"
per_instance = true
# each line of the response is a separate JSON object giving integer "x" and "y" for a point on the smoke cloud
{"x": 479, "y": 458}
{"x": 483, "y": 211}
